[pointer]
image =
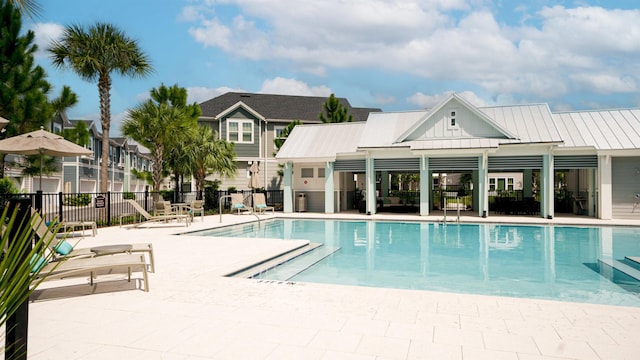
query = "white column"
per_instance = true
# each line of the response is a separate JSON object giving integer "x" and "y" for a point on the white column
{"x": 547, "y": 179}
{"x": 605, "y": 194}
{"x": 329, "y": 205}
{"x": 591, "y": 191}
{"x": 371, "y": 186}
{"x": 483, "y": 184}
{"x": 288, "y": 188}
{"x": 425, "y": 186}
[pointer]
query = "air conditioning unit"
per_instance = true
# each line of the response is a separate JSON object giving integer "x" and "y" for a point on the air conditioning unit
{"x": 120, "y": 165}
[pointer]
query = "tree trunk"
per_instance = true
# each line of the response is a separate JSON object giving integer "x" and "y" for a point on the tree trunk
{"x": 104, "y": 87}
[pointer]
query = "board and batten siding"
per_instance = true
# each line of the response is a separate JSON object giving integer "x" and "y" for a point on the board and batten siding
{"x": 241, "y": 149}
{"x": 625, "y": 178}
{"x": 468, "y": 125}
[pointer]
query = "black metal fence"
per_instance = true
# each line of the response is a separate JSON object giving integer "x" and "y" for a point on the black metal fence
{"x": 111, "y": 208}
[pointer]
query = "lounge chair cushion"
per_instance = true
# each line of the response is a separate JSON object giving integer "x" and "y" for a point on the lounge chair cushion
{"x": 64, "y": 248}
{"x": 261, "y": 206}
{"x": 238, "y": 206}
{"x": 37, "y": 262}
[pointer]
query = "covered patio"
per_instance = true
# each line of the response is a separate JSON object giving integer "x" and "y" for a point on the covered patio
{"x": 515, "y": 160}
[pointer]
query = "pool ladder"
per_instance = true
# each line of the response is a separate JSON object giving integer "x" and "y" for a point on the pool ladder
{"x": 444, "y": 220}
{"x": 220, "y": 209}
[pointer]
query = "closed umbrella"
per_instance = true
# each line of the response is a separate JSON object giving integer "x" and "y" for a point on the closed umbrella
{"x": 41, "y": 142}
{"x": 254, "y": 179}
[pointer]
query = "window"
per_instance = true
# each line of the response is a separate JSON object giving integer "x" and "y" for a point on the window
{"x": 277, "y": 133}
{"x": 452, "y": 122}
{"x": 492, "y": 184}
{"x": 320, "y": 172}
{"x": 306, "y": 173}
{"x": 510, "y": 184}
{"x": 240, "y": 131}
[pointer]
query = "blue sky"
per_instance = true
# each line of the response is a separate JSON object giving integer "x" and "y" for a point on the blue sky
{"x": 394, "y": 55}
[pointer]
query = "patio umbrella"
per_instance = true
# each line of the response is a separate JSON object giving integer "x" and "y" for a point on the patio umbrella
{"x": 254, "y": 179}
{"x": 3, "y": 123}
{"x": 41, "y": 142}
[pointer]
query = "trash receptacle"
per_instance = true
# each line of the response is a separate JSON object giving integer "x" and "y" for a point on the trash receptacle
{"x": 301, "y": 202}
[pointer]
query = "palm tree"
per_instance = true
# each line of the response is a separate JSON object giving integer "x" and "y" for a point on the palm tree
{"x": 211, "y": 155}
{"x": 28, "y": 7}
{"x": 94, "y": 53}
{"x": 154, "y": 126}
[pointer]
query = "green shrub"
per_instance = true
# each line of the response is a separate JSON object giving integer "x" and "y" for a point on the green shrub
{"x": 77, "y": 200}
{"x": 8, "y": 187}
{"x": 129, "y": 196}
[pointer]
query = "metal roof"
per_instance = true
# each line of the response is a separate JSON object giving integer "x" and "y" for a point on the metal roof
{"x": 321, "y": 142}
{"x": 530, "y": 123}
{"x": 601, "y": 129}
{"x": 384, "y": 128}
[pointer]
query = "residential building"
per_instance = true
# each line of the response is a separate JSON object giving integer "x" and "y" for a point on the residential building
{"x": 81, "y": 174}
{"x": 252, "y": 121}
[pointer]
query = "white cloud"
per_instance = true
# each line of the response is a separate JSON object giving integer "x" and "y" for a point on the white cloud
{"x": 282, "y": 86}
{"x": 45, "y": 33}
{"x": 458, "y": 41}
{"x": 202, "y": 94}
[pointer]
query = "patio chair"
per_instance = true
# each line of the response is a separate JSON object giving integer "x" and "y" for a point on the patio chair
{"x": 94, "y": 267}
{"x": 237, "y": 203}
{"x": 260, "y": 204}
{"x": 163, "y": 208}
{"x": 196, "y": 207}
{"x": 63, "y": 250}
{"x": 157, "y": 218}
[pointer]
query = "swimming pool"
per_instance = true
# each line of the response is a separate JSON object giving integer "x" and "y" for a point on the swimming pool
{"x": 548, "y": 262}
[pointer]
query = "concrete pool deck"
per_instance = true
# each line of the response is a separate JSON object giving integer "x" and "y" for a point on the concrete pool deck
{"x": 193, "y": 312}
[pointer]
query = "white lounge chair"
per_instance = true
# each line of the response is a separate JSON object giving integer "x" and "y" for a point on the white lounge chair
{"x": 94, "y": 267}
{"x": 157, "y": 218}
{"x": 62, "y": 249}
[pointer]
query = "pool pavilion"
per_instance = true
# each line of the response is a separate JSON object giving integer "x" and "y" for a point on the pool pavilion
{"x": 519, "y": 160}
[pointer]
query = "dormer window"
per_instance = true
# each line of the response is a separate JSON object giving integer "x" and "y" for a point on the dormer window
{"x": 452, "y": 119}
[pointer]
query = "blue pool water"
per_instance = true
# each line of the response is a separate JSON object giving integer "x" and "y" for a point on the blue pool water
{"x": 549, "y": 262}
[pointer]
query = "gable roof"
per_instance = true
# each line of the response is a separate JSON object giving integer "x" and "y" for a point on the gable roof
{"x": 279, "y": 107}
{"x": 453, "y": 97}
{"x": 236, "y": 106}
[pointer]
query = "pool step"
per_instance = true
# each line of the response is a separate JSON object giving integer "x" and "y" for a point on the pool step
{"x": 634, "y": 259}
{"x": 622, "y": 267}
{"x": 298, "y": 264}
{"x": 273, "y": 262}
